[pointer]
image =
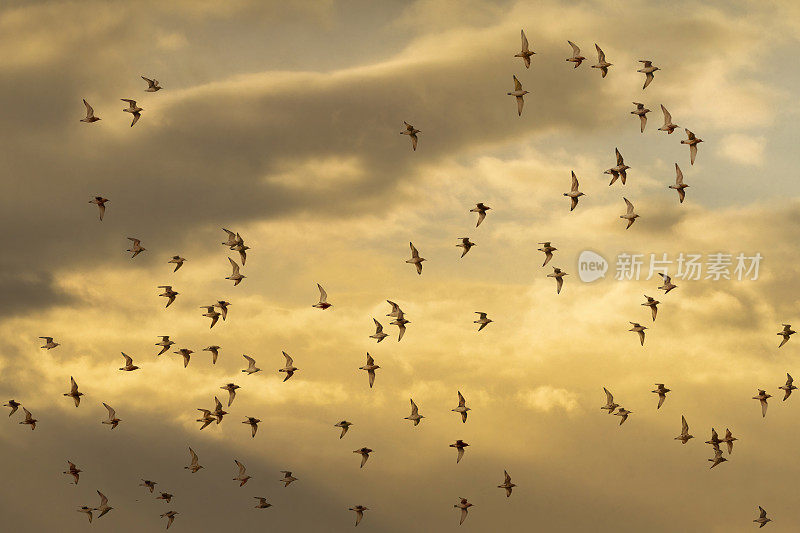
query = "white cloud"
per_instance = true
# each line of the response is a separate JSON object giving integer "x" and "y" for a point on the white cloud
{"x": 743, "y": 149}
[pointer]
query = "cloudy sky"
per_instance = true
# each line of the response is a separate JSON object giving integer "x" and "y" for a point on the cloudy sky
{"x": 280, "y": 121}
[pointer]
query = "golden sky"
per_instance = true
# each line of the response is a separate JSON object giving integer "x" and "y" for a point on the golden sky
{"x": 280, "y": 121}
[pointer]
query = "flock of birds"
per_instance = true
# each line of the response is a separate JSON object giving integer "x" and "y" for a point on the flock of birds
{"x": 236, "y": 243}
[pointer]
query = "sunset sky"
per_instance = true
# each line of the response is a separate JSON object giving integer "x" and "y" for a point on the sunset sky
{"x": 281, "y": 121}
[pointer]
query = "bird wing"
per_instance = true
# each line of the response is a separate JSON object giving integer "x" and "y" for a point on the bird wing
{"x": 678, "y": 175}
{"x": 74, "y": 387}
{"x": 461, "y": 401}
{"x": 378, "y": 327}
{"x": 323, "y": 296}
{"x": 89, "y": 109}
{"x": 234, "y": 266}
{"x": 601, "y": 57}
{"x": 111, "y": 412}
{"x": 575, "y": 50}
{"x": 619, "y": 157}
{"x": 414, "y": 252}
{"x": 289, "y": 361}
{"x": 517, "y": 84}
{"x": 128, "y": 360}
{"x": 241, "y": 467}
{"x": 574, "y": 183}
{"x": 684, "y": 425}
{"x": 609, "y": 396}
{"x": 524, "y": 41}
{"x": 630, "y": 206}
{"x": 667, "y": 116}
{"x": 414, "y": 408}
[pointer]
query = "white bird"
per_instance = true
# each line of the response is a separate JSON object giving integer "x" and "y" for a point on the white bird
{"x": 668, "y": 126}
{"x": 788, "y": 388}
{"x": 507, "y": 484}
{"x": 169, "y": 294}
{"x": 679, "y": 184}
{"x": 129, "y": 366}
{"x": 379, "y": 334}
{"x": 762, "y": 518}
{"x": 29, "y": 420}
{"x": 100, "y": 202}
{"x": 668, "y": 285}
{"x": 519, "y": 94}
{"x": 641, "y": 111}
{"x": 618, "y": 171}
{"x": 411, "y": 131}
{"x": 214, "y": 349}
{"x": 104, "y": 507}
{"x": 415, "y": 417}
{"x": 648, "y": 70}
{"x": 364, "y": 452}
{"x": 231, "y": 388}
{"x": 251, "y": 365}
{"x": 785, "y": 333}
{"x": 462, "y": 407}
{"x": 49, "y": 344}
{"x": 662, "y": 391}
{"x": 558, "y": 274}
{"x": 548, "y": 251}
{"x": 136, "y": 248}
{"x": 73, "y": 392}
{"x": 459, "y": 445}
{"x": 112, "y": 419}
{"x": 345, "y": 425}
{"x": 574, "y": 193}
{"x": 89, "y": 113}
{"x": 576, "y": 58}
{"x": 463, "y": 505}
{"x": 415, "y": 260}
{"x": 133, "y": 109}
{"x": 623, "y": 413}
{"x": 610, "y": 405}
{"x": 525, "y": 53}
{"x": 481, "y": 209}
{"x": 370, "y": 368}
{"x": 262, "y": 502}
{"x": 638, "y": 328}
{"x": 684, "y": 436}
{"x": 762, "y": 397}
{"x": 194, "y": 465}
{"x": 466, "y": 244}
{"x": 692, "y": 141}
{"x": 629, "y": 215}
{"x": 483, "y": 320}
{"x": 602, "y": 64}
{"x": 290, "y": 369}
{"x": 323, "y": 299}
{"x": 165, "y": 343}
{"x": 242, "y": 477}
{"x": 178, "y": 261}
{"x": 253, "y": 424}
{"x": 359, "y": 510}
{"x": 652, "y": 303}
{"x": 288, "y": 478}
{"x": 235, "y": 276}
{"x": 152, "y": 85}
{"x": 170, "y": 516}
{"x": 186, "y": 353}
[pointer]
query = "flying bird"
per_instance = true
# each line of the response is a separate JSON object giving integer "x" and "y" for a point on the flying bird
{"x": 359, "y": 510}
{"x": 379, "y": 334}
{"x": 558, "y": 274}
{"x": 206, "y": 419}
{"x": 149, "y": 484}
{"x": 251, "y": 366}
{"x": 165, "y": 342}
{"x": 170, "y": 516}
{"x": 323, "y": 299}
{"x": 668, "y": 126}
{"x": 262, "y": 502}
{"x": 29, "y": 420}
{"x": 729, "y": 440}
{"x": 623, "y": 414}
{"x": 14, "y": 405}
{"x": 370, "y": 368}
{"x": 483, "y": 320}
{"x": 629, "y": 215}
{"x": 652, "y": 303}
{"x": 618, "y": 171}
{"x": 684, "y": 436}
{"x": 231, "y": 388}
{"x": 459, "y": 445}
{"x": 463, "y": 505}
{"x": 466, "y": 244}
{"x": 481, "y": 209}
{"x": 400, "y": 322}
{"x": 519, "y": 94}
{"x": 679, "y": 185}
{"x": 788, "y": 388}
{"x": 525, "y": 53}
{"x": 73, "y": 392}
{"x": 714, "y": 441}
{"x": 288, "y": 478}
{"x": 415, "y": 260}
{"x": 194, "y": 464}
{"x": 507, "y": 484}
{"x": 638, "y": 328}
{"x": 214, "y": 349}
{"x": 411, "y": 131}
{"x": 242, "y": 477}
{"x": 100, "y": 202}
{"x": 222, "y": 305}
{"x": 112, "y": 419}
{"x": 648, "y": 70}
{"x": 668, "y": 285}
{"x": 87, "y": 510}
{"x": 574, "y": 193}
{"x": 253, "y": 424}
{"x": 762, "y": 518}
{"x": 576, "y": 58}
{"x": 762, "y": 397}
{"x": 178, "y": 261}
{"x": 289, "y": 369}
{"x": 345, "y": 425}
{"x": 89, "y": 119}
{"x": 136, "y": 248}
{"x": 211, "y": 313}
{"x": 104, "y": 507}
{"x": 129, "y": 366}
{"x": 610, "y": 405}
{"x": 152, "y": 85}
{"x": 548, "y": 251}
{"x": 73, "y": 471}
{"x": 235, "y": 276}
{"x": 186, "y": 353}
{"x": 49, "y": 344}
{"x": 133, "y": 109}
{"x": 166, "y": 496}
{"x": 785, "y": 333}
{"x": 662, "y": 391}
{"x": 169, "y": 294}
{"x": 692, "y": 141}
{"x": 462, "y": 408}
{"x": 364, "y": 452}
{"x": 641, "y": 112}
{"x": 415, "y": 417}
{"x": 602, "y": 64}
{"x": 717, "y": 459}
{"x": 218, "y": 412}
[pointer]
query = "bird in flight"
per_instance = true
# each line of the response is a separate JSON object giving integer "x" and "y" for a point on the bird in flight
{"x": 558, "y": 274}
{"x": 507, "y": 484}
{"x": 370, "y": 368}
{"x": 623, "y": 414}
{"x": 668, "y": 285}
{"x": 602, "y": 64}
{"x": 576, "y": 58}
{"x": 289, "y": 369}
{"x": 211, "y": 313}
{"x": 641, "y": 112}
{"x": 459, "y": 445}
{"x": 262, "y": 502}
{"x": 466, "y": 244}
{"x": 648, "y": 70}
{"x": 610, "y": 405}
{"x": 222, "y": 305}
{"x": 692, "y": 141}
{"x": 73, "y": 471}
{"x": 14, "y": 405}
{"x": 762, "y": 397}
{"x": 323, "y": 299}
{"x": 251, "y": 366}
{"x": 668, "y": 126}
{"x": 165, "y": 342}
{"x": 548, "y": 251}
{"x": 662, "y": 391}
{"x": 359, "y": 510}
{"x": 29, "y": 420}
{"x": 481, "y": 209}
{"x": 231, "y": 388}
{"x": 462, "y": 408}
{"x": 483, "y": 320}
{"x": 242, "y": 478}
{"x": 186, "y": 353}
{"x": 364, "y": 452}
{"x": 178, "y": 261}
{"x": 49, "y": 344}
{"x": 762, "y": 519}
{"x": 169, "y": 294}
{"x": 166, "y": 496}
{"x": 415, "y": 417}
{"x": 288, "y": 478}
{"x": 345, "y": 425}
{"x": 411, "y": 131}
{"x": 618, "y": 171}
{"x": 235, "y": 276}
{"x": 785, "y": 333}
{"x": 129, "y": 366}
{"x": 73, "y": 392}
{"x": 788, "y": 388}
{"x": 717, "y": 459}
{"x": 415, "y": 260}
{"x": 379, "y": 334}
{"x": 104, "y": 507}
{"x": 638, "y": 328}
{"x": 88, "y": 510}
{"x": 89, "y": 118}
{"x": 464, "y": 505}
{"x": 679, "y": 184}
{"x": 518, "y": 93}
{"x": 100, "y": 202}
{"x": 214, "y": 349}
{"x": 136, "y": 248}
{"x": 684, "y": 436}
{"x": 400, "y": 322}
{"x": 253, "y": 424}
{"x": 652, "y": 303}
{"x": 112, "y": 419}
{"x": 194, "y": 464}
{"x": 133, "y": 109}
{"x": 729, "y": 440}
{"x": 170, "y": 516}
{"x": 152, "y": 85}
{"x": 574, "y": 193}
{"x": 629, "y": 215}
{"x": 151, "y": 485}
{"x": 526, "y": 52}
